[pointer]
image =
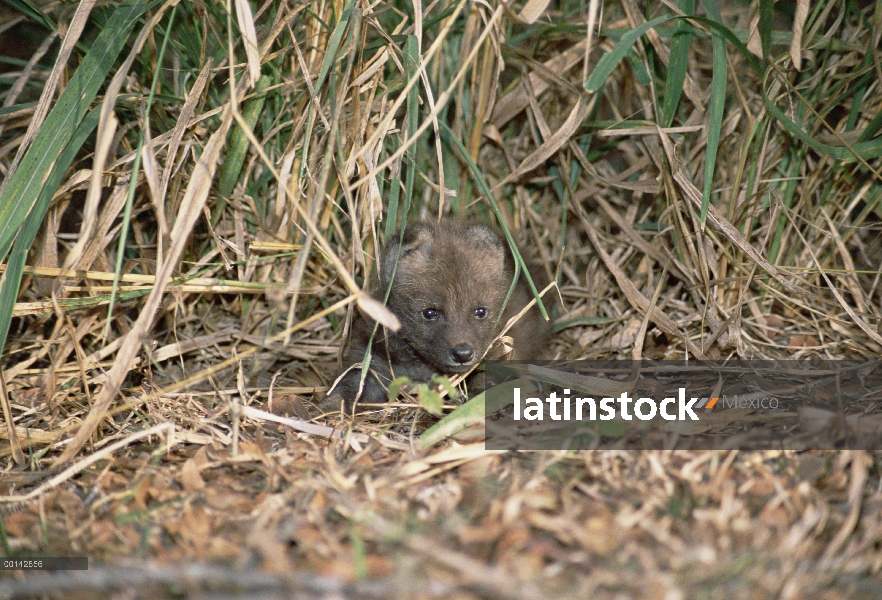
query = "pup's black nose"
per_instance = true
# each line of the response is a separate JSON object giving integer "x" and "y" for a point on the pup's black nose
{"x": 462, "y": 353}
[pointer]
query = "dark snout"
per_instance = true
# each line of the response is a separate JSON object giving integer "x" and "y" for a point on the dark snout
{"x": 462, "y": 354}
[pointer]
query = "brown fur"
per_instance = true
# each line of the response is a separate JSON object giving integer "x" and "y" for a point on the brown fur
{"x": 447, "y": 290}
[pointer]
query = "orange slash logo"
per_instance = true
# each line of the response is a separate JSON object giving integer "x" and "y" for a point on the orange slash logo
{"x": 707, "y": 403}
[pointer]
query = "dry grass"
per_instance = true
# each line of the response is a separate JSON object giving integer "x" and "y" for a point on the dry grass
{"x": 253, "y": 205}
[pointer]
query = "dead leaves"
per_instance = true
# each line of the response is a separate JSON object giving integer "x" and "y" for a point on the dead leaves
{"x": 500, "y": 522}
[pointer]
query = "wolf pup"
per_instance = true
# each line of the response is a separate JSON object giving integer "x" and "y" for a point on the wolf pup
{"x": 449, "y": 281}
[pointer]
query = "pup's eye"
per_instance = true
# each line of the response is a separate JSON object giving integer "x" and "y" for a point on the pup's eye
{"x": 481, "y": 312}
{"x": 431, "y": 314}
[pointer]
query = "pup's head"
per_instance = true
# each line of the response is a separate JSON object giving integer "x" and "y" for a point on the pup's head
{"x": 448, "y": 289}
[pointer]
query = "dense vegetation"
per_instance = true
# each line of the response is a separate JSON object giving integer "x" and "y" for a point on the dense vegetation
{"x": 192, "y": 197}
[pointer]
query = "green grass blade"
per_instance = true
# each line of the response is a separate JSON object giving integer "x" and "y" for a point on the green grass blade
{"x": 470, "y": 413}
{"x": 766, "y": 12}
{"x": 678, "y": 64}
{"x": 792, "y": 172}
{"x": 717, "y": 104}
{"x": 413, "y": 104}
{"x": 608, "y": 61}
{"x": 474, "y": 411}
{"x": 27, "y": 7}
{"x": 411, "y": 64}
{"x": 237, "y": 149}
{"x": 394, "y": 194}
{"x": 26, "y": 183}
{"x": 872, "y": 128}
{"x": 718, "y": 27}
{"x": 329, "y": 60}
{"x": 11, "y": 280}
{"x": 859, "y": 151}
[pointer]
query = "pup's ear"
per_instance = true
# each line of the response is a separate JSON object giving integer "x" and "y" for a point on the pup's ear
{"x": 488, "y": 243}
{"x": 409, "y": 252}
